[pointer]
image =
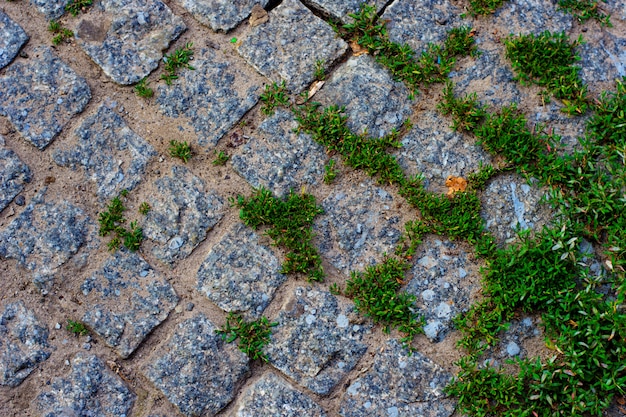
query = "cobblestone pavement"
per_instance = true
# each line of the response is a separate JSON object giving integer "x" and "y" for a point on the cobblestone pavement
{"x": 73, "y": 135}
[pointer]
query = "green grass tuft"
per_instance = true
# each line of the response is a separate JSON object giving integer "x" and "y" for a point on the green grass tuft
{"x": 253, "y": 336}
{"x": 176, "y": 60}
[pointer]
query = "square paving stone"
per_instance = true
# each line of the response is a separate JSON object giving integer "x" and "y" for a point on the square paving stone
{"x": 196, "y": 370}
{"x": 341, "y": 9}
{"x": 182, "y": 211}
{"x": 13, "y": 175}
{"x": 287, "y": 47}
{"x": 221, "y": 15}
{"x": 358, "y": 226}
{"x": 23, "y": 343}
{"x": 12, "y": 37}
{"x": 532, "y": 16}
{"x": 52, "y": 9}
{"x": 240, "y": 274}
{"x": 374, "y": 101}
{"x": 44, "y": 236}
{"x": 272, "y": 396}
{"x": 91, "y": 389}
{"x": 126, "y": 299}
{"x": 399, "y": 384}
{"x": 126, "y": 38}
{"x": 316, "y": 341}
{"x": 112, "y": 155}
{"x": 40, "y": 95}
{"x": 213, "y": 97}
{"x": 278, "y": 158}
{"x": 603, "y": 58}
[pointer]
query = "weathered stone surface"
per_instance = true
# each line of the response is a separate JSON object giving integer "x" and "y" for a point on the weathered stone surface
{"x": 44, "y": 236}
{"x": 91, "y": 389}
{"x": 357, "y": 226}
{"x": 39, "y": 96}
{"x": 287, "y": 47}
{"x": 316, "y": 342}
{"x": 127, "y": 38}
{"x": 373, "y": 100}
{"x": 52, "y": 9}
{"x": 434, "y": 150}
{"x": 112, "y": 155}
{"x": 12, "y": 37}
{"x": 13, "y": 175}
{"x": 126, "y": 299}
{"x": 278, "y": 158}
{"x": 213, "y": 97}
{"x": 182, "y": 212}
{"x": 552, "y": 120}
{"x": 532, "y": 16}
{"x": 341, "y": 9}
{"x": 23, "y": 343}
{"x": 221, "y": 15}
{"x": 399, "y": 385}
{"x": 196, "y": 370}
{"x": 240, "y": 274}
{"x": 604, "y": 59}
{"x": 272, "y": 396}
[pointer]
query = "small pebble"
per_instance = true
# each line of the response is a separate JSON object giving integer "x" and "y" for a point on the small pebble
{"x": 512, "y": 349}
{"x": 20, "y": 200}
{"x": 190, "y": 306}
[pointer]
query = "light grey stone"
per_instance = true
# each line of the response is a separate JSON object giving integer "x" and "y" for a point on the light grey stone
{"x": 221, "y": 15}
{"x": 13, "y": 175}
{"x": 341, "y": 9}
{"x": 12, "y": 38}
{"x": 531, "y": 16}
{"x": 51, "y": 9}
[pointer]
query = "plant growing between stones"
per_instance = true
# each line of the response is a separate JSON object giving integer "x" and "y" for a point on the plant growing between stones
{"x": 61, "y": 33}
{"x": 253, "y": 335}
{"x": 484, "y": 7}
{"x": 142, "y": 88}
{"x": 176, "y": 60}
{"x": 77, "y": 328}
{"x": 77, "y": 6}
{"x": 180, "y": 150}
{"x": 144, "y": 208}
{"x": 220, "y": 158}
{"x": 320, "y": 72}
{"x": 584, "y": 10}
{"x": 275, "y": 95}
{"x": 329, "y": 172}
{"x": 111, "y": 222}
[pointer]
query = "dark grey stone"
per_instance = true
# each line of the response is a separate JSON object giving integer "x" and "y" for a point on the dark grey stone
{"x": 52, "y": 9}
{"x": 104, "y": 140}
{"x": 374, "y": 101}
{"x": 126, "y": 299}
{"x": 532, "y": 16}
{"x": 127, "y": 38}
{"x": 91, "y": 389}
{"x": 13, "y": 175}
{"x": 23, "y": 343}
{"x": 287, "y": 47}
{"x": 213, "y": 97}
{"x": 182, "y": 212}
{"x": 39, "y": 96}
{"x": 272, "y": 396}
{"x": 399, "y": 384}
{"x": 196, "y": 370}
{"x": 240, "y": 274}
{"x": 341, "y": 9}
{"x": 221, "y": 15}
{"x": 280, "y": 159}
{"x": 12, "y": 37}
{"x": 316, "y": 341}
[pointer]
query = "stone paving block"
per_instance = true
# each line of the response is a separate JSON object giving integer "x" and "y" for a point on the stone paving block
{"x": 213, "y": 97}
{"x": 510, "y": 204}
{"x": 433, "y": 149}
{"x": 126, "y": 299}
{"x": 196, "y": 370}
{"x": 111, "y": 154}
{"x": 182, "y": 211}
{"x": 40, "y": 95}
{"x": 44, "y": 236}
{"x": 357, "y": 227}
{"x": 316, "y": 341}
{"x": 603, "y": 59}
{"x": 127, "y": 38}
{"x": 23, "y": 343}
{"x": 532, "y": 16}
{"x": 373, "y": 100}
{"x": 221, "y": 15}
{"x": 12, "y": 37}
{"x": 341, "y": 9}
{"x": 52, "y": 9}
{"x": 278, "y": 158}
{"x": 399, "y": 385}
{"x": 13, "y": 175}
{"x": 240, "y": 274}
{"x": 287, "y": 47}
{"x": 272, "y": 396}
{"x": 441, "y": 279}
{"x": 91, "y": 389}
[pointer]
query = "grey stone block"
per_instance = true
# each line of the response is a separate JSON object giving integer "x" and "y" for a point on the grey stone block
{"x": 127, "y": 38}
{"x": 23, "y": 343}
{"x": 39, "y": 96}
{"x": 278, "y": 158}
{"x": 12, "y": 37}
{"x": 182, "y": 212}
{"x": 126, "y": 299}
{"x": 603, "y": 59}
{"x": 399, "y": 385}
{"x": 221, "y": 15}
{"x": 316, "y": 341}
{"x": 532, "y": 16}
{"x": 341, "y": 9}
{"x": 287, "y": 47}
{"x": 240, "y": 274}
{"x": 91, "y": 389}
{"x": 13, "y": 175}
{"x": 196, "y": 370}
{"x": 105, "y": 140}
{"x": 51, "y": 9}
